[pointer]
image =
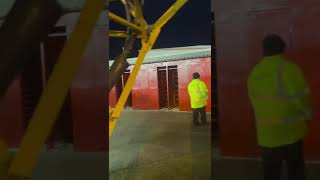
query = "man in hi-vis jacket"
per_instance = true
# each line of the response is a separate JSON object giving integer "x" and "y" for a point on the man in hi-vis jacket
{"x": 281, "y": 100}
{"x": 198, "y": 93}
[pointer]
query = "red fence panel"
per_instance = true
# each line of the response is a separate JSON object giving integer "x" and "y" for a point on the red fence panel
{"x": 239, "y": 28}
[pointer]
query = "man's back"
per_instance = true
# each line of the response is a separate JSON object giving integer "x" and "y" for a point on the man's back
{"x": 197, "y": 90}
{"x": 277, "y": 92}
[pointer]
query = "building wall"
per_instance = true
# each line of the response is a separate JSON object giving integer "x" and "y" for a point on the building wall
{"x": 240, "y": 28}
{"x": 112, "y": 97}
{"x": 11, "y": 115}
{"x": 186, "y": 69}
{"x": 145, "y": 92}
{"x": 88, "y": 89}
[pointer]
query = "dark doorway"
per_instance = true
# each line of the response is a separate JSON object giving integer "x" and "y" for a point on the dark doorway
{"x": 63, "y": 130}
{"x": 32, "y": 86}
{"x": 125, "y": 78}
{"x": 162, "y": 85}
{"x": 34, "y": 79}
{"x": 168, "y": 87}
{"x": 173, "y": 94}
{"x": 120, "y": 86}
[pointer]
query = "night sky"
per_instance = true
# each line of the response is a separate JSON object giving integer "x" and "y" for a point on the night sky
{"x": 190, "y": 26}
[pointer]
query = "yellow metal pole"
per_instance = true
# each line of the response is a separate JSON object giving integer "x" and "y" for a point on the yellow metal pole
{"x": 54, "y": 94}
{"x": 124, "y": 22}
{"x": 138, "y": 9}
{"x": 139, "y": 13}
{"x": 141, "y": 20}
{"x": 146, "y": 46}
{"x": 127, "y": 88}
{"x": 120, "y": 34}
{"x": 130, "y": 5}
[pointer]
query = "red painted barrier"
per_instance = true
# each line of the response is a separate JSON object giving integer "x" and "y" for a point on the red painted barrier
{"x": 89, "y": 105}
{"x": 113, "y": 97}
{"x": 187, "y": 68}
{"x": 240, "y": 28}
{"x": 145, "y": 92}
{"x": 11, "y": 115}
{"x": 145, "y": 89}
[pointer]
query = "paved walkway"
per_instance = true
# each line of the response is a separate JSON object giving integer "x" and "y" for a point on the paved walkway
{"x": 159, "y": 145}
{"x": 246, "y": 169}
{"x": 71, "y": 166}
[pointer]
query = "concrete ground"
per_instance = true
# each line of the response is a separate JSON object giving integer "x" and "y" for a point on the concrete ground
{"x": 227, "y": 168}
{"x": 65, "y": 164}
{"x": 71, "y": 166}
{"x": 246, "y": 169}
{"x": 159, "y": 145}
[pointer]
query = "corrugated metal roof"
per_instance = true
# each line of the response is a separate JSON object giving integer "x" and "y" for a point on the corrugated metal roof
{"x": 174, "y": 54}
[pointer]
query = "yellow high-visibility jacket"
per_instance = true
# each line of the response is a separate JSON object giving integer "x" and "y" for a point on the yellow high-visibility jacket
{"x": 198, "y": 93}
{"x": 281, "y": 101}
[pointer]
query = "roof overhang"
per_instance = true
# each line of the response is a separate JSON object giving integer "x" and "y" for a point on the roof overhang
{"x": 173, "y": 54}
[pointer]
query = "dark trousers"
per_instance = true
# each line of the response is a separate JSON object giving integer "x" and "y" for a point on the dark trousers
{"x": 293, "y": 156}
{"x": 202, "y": 112}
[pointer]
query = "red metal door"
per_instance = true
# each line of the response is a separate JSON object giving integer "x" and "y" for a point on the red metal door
{"x": 183, "y": 81}
{"x": 63, "y": 130}
{"x": 153, "y": 91}
{"x": 118, "y": 88}
{"x": 11, "y": 115}
{"x": 88, "y": 92}
{"x": 163, "y": 85}
{"x": 306, "y": 49}
{"x": 172, "y": 87}
{"x": 206, "y": 78}
{"x": 233, "y": 69}
{"x": 113, "y": 97}
{"x": 32, "y": 86}
{"x": 125, "y": 78}
{"x": 238, "y": 35}
{"x": 261, "y": 23}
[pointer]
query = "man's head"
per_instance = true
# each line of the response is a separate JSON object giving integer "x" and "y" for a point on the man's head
{"x": 273, "y": 45}
{"x": 195, "y": 75}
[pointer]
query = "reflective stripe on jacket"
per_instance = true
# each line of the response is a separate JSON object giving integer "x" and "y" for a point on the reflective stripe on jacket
{"x": 198, "y": 93}
{"x": 281, "y": 101}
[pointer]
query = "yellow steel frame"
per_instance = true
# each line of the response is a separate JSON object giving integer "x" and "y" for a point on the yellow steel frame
{"x": 53, "y": 96}
{"x": 124, "y": 22}
{"x": 148, "y": 41}
{"x": 121, "y": 34}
